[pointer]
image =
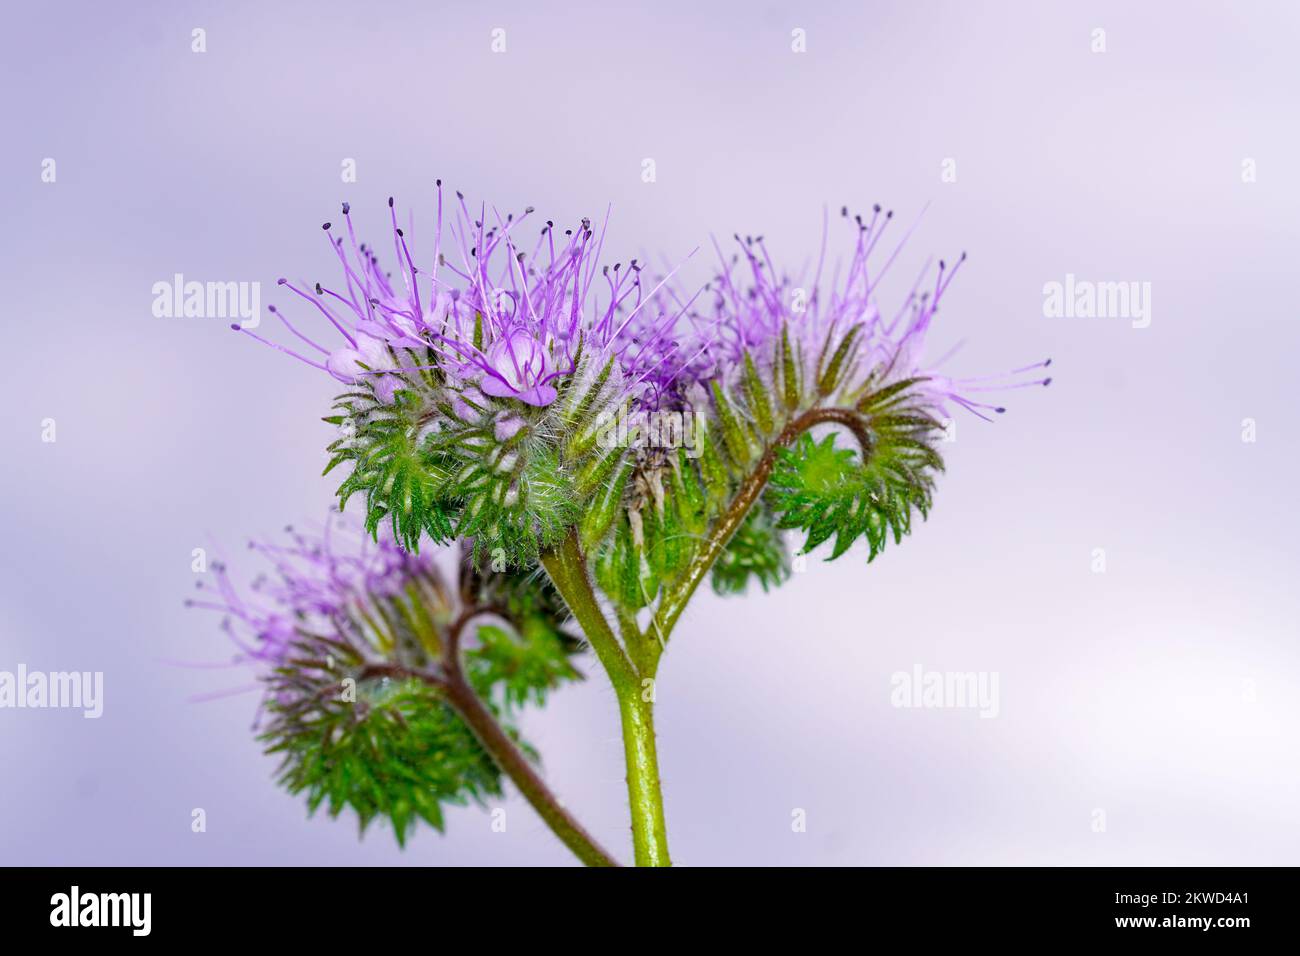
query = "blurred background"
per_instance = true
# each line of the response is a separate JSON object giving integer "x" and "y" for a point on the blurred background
{"x": 1147, "y": 712}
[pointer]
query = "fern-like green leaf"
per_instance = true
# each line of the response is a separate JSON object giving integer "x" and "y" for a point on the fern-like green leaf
{"x": 829, "y": 492}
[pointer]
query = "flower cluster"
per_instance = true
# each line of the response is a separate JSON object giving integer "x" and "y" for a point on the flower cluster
{"x": 344, "y": 633}
{"x": 754, "y": 306}
{"x": 497, "y": 319}
{"x": 476, "y": 387}
{"x": 337, "y": 587}
{"x": 508, "y": 323}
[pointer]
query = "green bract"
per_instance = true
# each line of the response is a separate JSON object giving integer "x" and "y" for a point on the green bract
{"x": 443, "y": 459}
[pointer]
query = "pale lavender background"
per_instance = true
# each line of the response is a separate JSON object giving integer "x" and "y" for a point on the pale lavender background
{"x": 1126, "y": 691}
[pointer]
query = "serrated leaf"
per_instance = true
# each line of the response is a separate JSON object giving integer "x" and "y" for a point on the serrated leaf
{"x": 830, "y": 492}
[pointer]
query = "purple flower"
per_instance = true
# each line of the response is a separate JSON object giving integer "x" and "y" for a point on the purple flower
{"x": 326, "y": 584}
{"x": 495, "y": 317}
{"x": 754, "y": 307}
{"x": 518, "y": 368}
{"x": 492, "y": 324}
{"x": 370, "y": 354}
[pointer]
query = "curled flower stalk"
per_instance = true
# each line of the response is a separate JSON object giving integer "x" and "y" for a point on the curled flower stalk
{"x": 476, "y": 409}
{"x": 372, "y": 701}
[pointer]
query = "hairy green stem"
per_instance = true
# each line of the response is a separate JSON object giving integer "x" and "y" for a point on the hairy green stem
{"x": 567, "y": 566}
{"x": 517, "y": 767}
{"x": 457, "y": 691}
{"x": 649, "y": 832}
{"x": 461, "y": 695}
{"x": 643, "y": 649}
